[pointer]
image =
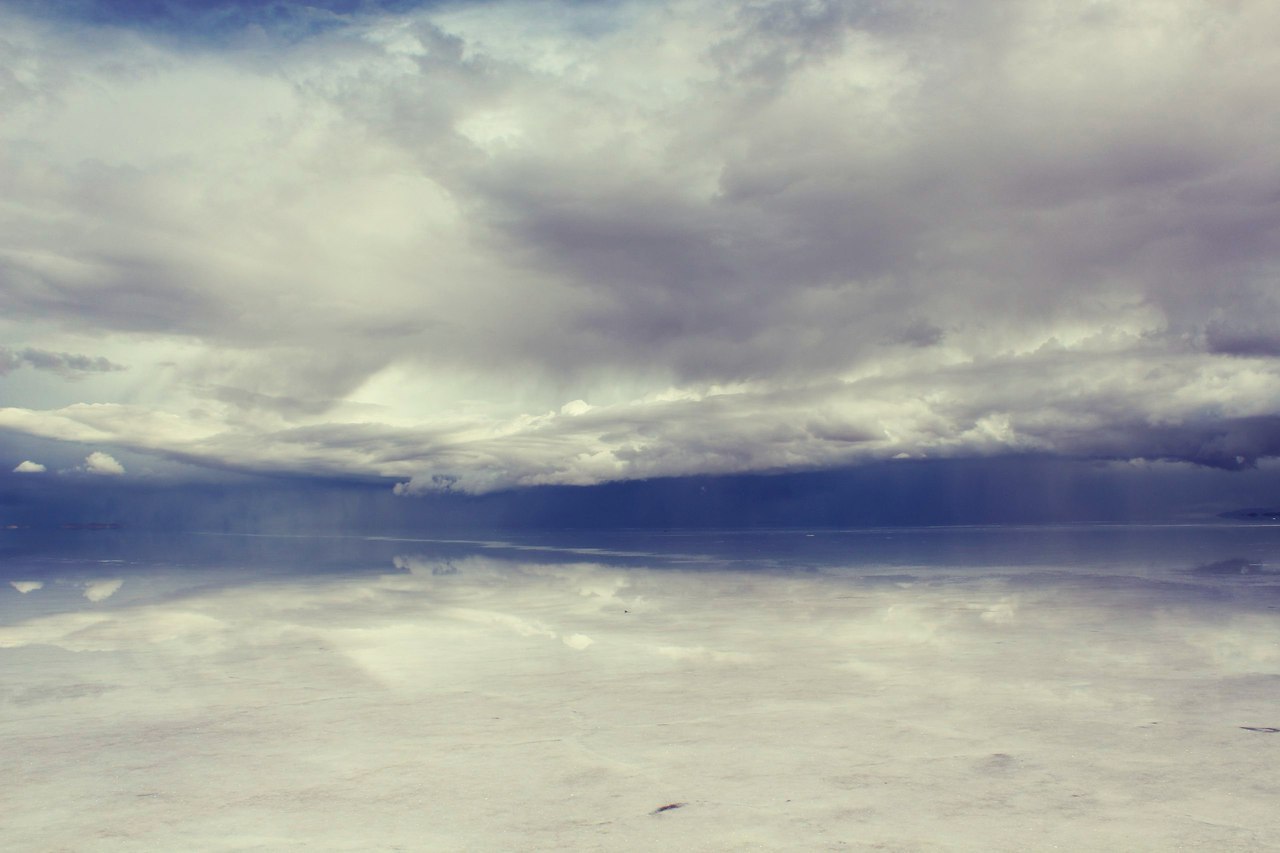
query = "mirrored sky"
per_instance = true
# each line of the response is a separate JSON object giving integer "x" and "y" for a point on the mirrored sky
{"x": 1096, "y": 688}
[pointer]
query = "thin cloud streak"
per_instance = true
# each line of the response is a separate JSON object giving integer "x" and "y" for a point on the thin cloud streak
{"x": 65, "y": 364}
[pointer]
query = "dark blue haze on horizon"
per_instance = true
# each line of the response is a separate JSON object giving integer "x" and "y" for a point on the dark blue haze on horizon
{"x": 1002, "y": 491}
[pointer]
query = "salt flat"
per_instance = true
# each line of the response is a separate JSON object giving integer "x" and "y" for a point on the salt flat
{"x": 983, "y": 689}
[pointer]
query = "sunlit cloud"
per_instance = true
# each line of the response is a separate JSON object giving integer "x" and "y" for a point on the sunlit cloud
{"x": 102, "y": 463}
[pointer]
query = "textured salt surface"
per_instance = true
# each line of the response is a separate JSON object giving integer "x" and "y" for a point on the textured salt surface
{"x": 488, "y": 702}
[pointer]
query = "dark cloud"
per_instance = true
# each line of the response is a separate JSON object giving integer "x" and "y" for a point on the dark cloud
{"x": 206, "y": 21}
{"x": 65, "y": 364}
{"x": 1229, "y": 443}
{"x": 1244, "y": 339}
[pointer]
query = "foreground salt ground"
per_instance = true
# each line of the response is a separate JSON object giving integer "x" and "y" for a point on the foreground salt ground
{"x": 496, "y": 700}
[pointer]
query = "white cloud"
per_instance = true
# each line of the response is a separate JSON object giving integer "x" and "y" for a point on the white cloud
{"x": 29, "y": 467}
{"x": 25, "y": 587}
{"x": 756, "y": 236}
{"x": 102, "y": 463}
{"x": 102, "y": 590}
{"x": 577, "y": 641}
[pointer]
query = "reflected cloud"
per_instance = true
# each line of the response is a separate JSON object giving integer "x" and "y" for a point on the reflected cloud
{"x": 1002, "y": 612}
{"x": 1234, "y": 567}
{"x": 702, "y": 654}
{"x": 101, "y": 590}
{"x": 577, "y": 641}
{"x": 128, "y": 630}
{"x": 424, "y": 565}
{"x": 577, "y": 694}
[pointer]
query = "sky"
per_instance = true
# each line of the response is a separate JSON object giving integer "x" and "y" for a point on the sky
{"x": 475, "y": 247}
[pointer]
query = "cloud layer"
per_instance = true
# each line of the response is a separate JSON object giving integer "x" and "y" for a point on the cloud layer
{"x": 508, "y": 244}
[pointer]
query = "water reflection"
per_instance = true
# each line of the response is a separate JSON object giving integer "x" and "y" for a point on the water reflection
{"x": 974, "y": 689}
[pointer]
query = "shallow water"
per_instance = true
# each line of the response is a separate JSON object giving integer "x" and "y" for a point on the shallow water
{"x": 1081, "y": 688}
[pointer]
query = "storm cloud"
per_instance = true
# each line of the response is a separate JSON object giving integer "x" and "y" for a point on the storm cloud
{"x": 488, "y": 245}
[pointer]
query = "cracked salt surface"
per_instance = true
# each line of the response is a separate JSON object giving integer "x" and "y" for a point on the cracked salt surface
{"x": 957, "y": 690}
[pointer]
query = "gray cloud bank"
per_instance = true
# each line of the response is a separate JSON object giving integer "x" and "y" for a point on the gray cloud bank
{"x": 65, "y": 364}
{"x": 515, "y": 244}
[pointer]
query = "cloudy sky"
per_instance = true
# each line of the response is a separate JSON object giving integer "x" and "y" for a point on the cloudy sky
{"x": 481, "y": 245}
